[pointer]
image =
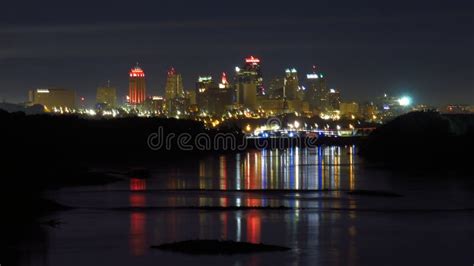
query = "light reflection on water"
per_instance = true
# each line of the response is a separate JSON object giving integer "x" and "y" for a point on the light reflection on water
{"x": 285, "y": 171}
{"x": 311, "y": 182}
{"x": 294, "y": 169}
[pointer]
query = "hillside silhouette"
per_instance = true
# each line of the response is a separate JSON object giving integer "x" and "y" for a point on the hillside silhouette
{"x": 423, "y": 140}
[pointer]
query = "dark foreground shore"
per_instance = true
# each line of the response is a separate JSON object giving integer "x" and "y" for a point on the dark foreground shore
{"x": 423, "y": 141}
{"x": 216, "y": 247}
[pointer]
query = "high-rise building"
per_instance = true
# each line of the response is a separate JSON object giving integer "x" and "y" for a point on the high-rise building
{"x": 137, "y": 86}
{"x": 154, "y": 105}
{"x": 316, "y": 93}
{"x": 174, "y": 85}
{"x": 107, "y": 96}
{"x": 211, "y": 98}
{"x": 334, "y": 100}
{"x": 53, "y": 98}
{"x": 275, "y": 88}
{"x": 291, "y": 84}
{"x": 174, "y": 92}
{"x": 203, "y": 85}
{"x": 247, "y": 95}
{"x": 224, "y": 82}
{"x": 249, "y": 83}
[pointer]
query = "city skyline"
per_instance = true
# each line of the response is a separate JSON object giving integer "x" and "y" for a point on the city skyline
{"x": 88, "y": 96}
{"x": 422, "y": 48}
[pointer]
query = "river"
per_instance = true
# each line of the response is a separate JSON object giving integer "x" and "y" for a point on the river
{"x": 408, "y": 219}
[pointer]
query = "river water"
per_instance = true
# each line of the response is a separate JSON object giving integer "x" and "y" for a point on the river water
{"x": 431, "y": 222}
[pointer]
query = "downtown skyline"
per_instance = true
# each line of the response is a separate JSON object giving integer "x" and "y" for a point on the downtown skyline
{"x": 156, "y": 83}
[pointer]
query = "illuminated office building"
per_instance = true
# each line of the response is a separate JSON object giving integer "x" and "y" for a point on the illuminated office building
{"x": 53, "y": 98}
{"x": 251, "y": 73}
{"x": 291, "y": 85}
{"x": 213, "y": 99}
{"x": 107, "y": 96}
{"x": 155, "y": 105}
{"x": 316, "y": 93}
{"x": 174, "y": 85}
{"x": 247, "y": 95}
{"x": 249, "y": 83}
{"x": 334, "y": 100}
{"x": 203, "y": 85}
{"x": 224, "y": 82}
{"x": 137, "y": 86}
{"x": 275, "y": 88}
{"x": 174, "y": 92}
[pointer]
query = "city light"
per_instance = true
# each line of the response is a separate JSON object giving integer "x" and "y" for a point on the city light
{"x": 248, "y": 128}
{"x": 405, "y": 101}
{"x": 212, "y": 101}
{"x": 297, "y": 124}
{"x": 205, "y": 79}
{"x": 252, "y": 60}
{"x": 312, "y": 76}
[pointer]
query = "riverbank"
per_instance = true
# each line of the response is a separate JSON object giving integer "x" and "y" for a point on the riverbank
{"x": 423, "y": 141}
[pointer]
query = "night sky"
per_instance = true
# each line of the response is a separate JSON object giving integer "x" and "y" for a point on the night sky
{"x": 365, "y": 48}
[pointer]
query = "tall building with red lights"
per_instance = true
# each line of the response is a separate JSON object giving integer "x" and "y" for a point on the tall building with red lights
{"x": 137, "y": 86}
{"x": 251, "y": 72}
{"x": 249, "y": 83}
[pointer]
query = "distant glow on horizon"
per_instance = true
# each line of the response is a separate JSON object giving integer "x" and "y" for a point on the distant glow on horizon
{"x": 405, "y": 101}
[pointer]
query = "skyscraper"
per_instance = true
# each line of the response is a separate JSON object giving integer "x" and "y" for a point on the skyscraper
{"x": 275, "y": 88}
{"x": 291, "y": 84}
{"x": 174, "y": 92}
{"x": 249, "y": 83}
{"x": 247, "y": 95}
{"x": 107, "y": 96}
{"x": 224, "y": 82}
{"x": 212, "y": 98}
{"x": 334, "y": 100}
{"x": 316, "y": 92}
{"x": 174, "y": 85}
{"x": 137, "y": 86}
{"x": 203, "y": 85}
